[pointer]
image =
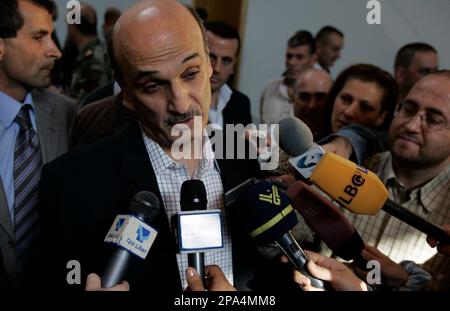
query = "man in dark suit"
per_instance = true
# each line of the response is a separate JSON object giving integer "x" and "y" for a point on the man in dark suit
{"x": 164, "y": 72}
{"x": 34, "y": 126}
{"x": 228, "y": 106}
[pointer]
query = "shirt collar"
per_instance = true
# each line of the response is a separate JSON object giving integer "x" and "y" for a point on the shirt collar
{"x": 283, "y": 90}
{"x": 438, "y": 183}
{"x": 10, "y": 107}
{"x": 224, "y": 96}
{"x": 163, "y": 162}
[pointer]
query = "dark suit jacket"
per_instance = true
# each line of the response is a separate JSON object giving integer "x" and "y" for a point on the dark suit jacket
{"x": 237, "y": 109}
{"x": 82, "y": 193}
{"x": 99, "y": 120}
{"x": 54, "y": 115}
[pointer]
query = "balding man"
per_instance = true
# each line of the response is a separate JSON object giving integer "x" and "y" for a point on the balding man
{"x": 417, "y": 174}
{"x": 164, "y": 71}
{"x": 311, "y": 89}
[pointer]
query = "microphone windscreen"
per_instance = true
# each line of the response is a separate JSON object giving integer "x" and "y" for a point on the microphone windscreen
{"x": 354, "y": 187}
{"x": 145, "y": 204}
{"x": 265, "y": 213}
{"x": 193, "y": 195}
{"x": 295, "y": 136}
{"x": 325, "y": 218}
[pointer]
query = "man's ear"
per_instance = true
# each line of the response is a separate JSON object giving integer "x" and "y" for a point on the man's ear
{"x": 400, "y": 74}
{"x": 125, "y": 95}
{"x": 381, "y": 118}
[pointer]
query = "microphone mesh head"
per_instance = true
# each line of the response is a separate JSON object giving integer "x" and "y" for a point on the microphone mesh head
{"x": 265, "y": 213}
{"x": 295, "y": 136}
{"x": 193, "y": 195}
{"x": 145, "y": 204}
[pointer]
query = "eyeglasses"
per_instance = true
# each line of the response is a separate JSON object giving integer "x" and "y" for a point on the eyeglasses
{"x": 306, "y": 96}
{"x": 431, "y": 120}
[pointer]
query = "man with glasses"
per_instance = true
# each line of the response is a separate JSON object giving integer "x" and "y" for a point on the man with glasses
{"x": 417, "y": 174}
{"x": 311, "y": 89}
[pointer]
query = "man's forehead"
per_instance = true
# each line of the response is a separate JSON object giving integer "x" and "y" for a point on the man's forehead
{"x": 35, "y": 15}
{"x": 435, "y": 86}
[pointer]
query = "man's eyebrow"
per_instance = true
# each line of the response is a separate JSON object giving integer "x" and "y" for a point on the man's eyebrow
{"x": 40, "y": 32}
{"x": 146, "y": 74}
{"x": 192, "y": 56}
{"x": 435, "y": 111}
{"x": 152, "y": 73}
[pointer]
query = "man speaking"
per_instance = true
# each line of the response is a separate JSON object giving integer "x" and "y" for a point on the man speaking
{"x": 164, "y": 72}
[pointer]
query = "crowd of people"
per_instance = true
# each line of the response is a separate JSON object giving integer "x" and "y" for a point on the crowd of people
{"x": 85, "y": 127}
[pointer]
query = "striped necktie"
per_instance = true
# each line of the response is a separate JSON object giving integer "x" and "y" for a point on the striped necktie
{"x": 27, "y": 173}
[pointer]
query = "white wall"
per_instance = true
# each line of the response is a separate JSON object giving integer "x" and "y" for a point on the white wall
{"x": 100, "y": 6}
{"x": 270, "y": 23}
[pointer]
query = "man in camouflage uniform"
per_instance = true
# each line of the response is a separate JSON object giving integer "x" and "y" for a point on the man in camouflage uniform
{"x": 92, "y": 67}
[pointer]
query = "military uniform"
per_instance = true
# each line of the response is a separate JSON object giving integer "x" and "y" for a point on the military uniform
{"x": 92, "y": 70}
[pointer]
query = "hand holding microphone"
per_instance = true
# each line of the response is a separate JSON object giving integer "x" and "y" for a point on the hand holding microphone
{"x": 94, "y": 284}
{"x": 267, "y": 216}
{"x": 338, "y": 274}
{"x": 132, "y": 236}
{"x": 352, "y": 186}
{"x": 215, "y": 280}
{"x": 443, "y": 248}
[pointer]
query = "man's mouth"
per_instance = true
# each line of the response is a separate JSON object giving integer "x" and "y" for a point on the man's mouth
{"x": 408, "y": 139}
{"x": 215, "y": 79}
{"x": 48, "y": 67}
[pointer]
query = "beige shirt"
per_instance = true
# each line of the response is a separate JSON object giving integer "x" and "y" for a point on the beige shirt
{"x": 398, "y": 240}
{"x": 275, "y": 103}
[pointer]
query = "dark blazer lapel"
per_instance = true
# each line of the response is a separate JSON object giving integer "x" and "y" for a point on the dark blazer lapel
{"x": 136, "y": 168}
{"x": 47, "y": 124}
{"x": 5, "y": 221}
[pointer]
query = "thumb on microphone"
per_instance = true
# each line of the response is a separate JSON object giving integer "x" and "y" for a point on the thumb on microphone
{"x": 94, "y": 284}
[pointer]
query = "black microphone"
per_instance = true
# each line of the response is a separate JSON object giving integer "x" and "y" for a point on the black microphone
{"x": 144, "y": 207}
{"x": 268, "y": 216}
{"x": 193, "y": 198}
{"x": 328, "y": 222}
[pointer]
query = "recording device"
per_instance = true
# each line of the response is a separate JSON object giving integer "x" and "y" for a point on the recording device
{"x": 352, "y": 186}
{"x": 329, "y": 223}
{"x": 361, "y": 191}
{"x": 297, "y": 141}
{"x": 198, "y": 230}
{"x": 268, "y": 216}
{"x": 132, "y": 235}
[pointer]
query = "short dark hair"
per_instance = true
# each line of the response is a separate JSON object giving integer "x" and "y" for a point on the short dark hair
{"x": 406, "y": 54}
{"x": 88, "y": 20}
{"x": 365, "y": 73}
{"x": 112, "y": 14}
{"x": 11, "y": 20}
{"x": 324, "y": 33}
{"x": 303, "y": 37}
{"x": 225, "y": 31}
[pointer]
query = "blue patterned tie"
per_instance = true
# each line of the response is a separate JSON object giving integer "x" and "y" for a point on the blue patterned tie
{"x": 27, "y": 173}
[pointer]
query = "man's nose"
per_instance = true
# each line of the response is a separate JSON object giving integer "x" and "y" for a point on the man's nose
{"x": 179, "y": 99}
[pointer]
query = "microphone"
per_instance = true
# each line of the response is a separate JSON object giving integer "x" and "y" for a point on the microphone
{"x": 132, "y": 235}
{"x": 267, "y": 216}
{"x": 362, "y": 192}
{"x": 328, "y": 222}
{"x": 193, "y": 198}
{"x": 297, "y": 141}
